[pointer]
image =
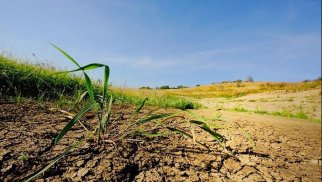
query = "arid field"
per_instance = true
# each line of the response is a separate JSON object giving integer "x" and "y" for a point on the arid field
{"x": 268, "y": 132}
{"x": 160, "y": 91}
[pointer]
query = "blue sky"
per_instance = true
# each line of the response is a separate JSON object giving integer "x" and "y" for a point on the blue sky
{"x": 170, "y": 42}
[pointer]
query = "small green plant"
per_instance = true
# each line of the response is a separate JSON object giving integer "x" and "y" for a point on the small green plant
{"x": 100, "y": 104}
{"x": 23, "y": 157}
{"x": 258, "y": 111}
{"x": 286, "y": 113}
{"x": 239, "y": 109}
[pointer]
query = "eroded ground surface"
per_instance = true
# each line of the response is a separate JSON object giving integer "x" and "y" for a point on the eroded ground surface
{"x": 283, "y": 150}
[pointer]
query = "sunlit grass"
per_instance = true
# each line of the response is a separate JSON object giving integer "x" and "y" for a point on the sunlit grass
{"x": 20, "y": 79}
{"x": 231, "y": 90}
{"x": 23, "y": 79}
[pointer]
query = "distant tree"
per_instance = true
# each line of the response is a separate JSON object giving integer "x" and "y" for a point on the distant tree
{"x": 181, "y": 86}
{"x": 249, "y": 79}
{"x": 226, "y": 81}
{"x": 318, "y": 79}
{"x": 165, "y": 87}
{"x": 199, "y": 85}
{"x": 238, "y": 81}
{"x": 145, "y": 87}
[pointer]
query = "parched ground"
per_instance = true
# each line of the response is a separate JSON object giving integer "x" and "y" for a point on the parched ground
{"x": 283, "y": 149}
{"x": 286, "y": 149}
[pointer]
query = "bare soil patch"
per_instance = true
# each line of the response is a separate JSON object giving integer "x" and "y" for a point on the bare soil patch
{"x": 283, "y": 150}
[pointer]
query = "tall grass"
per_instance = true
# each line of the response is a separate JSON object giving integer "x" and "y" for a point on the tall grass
{"x": 22, "y": 79}
{"x": 28, "y": 80}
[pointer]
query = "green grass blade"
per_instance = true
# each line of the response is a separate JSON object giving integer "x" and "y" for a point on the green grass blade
{"x": 215, "y": 135}
{"x": 81, "y": 97}
{"x": 88, "y": 67}
{"x": 246, "y": 134}
{"x": 140, "y": 106}
{"x": 204, "y": 126}
{"x": 57, "y": 159}
{"x": 106, "y": 117}
{"x": 203, "y": 120}
{"x": 71, "y": 123}
{"x": 154, "y": 117}
{"x": 65, "y": 54}
{"x": 193, "y": 115}
{"x": 197, "y": 122}
{"x": 136, "y": 112}
{"x": 181, "y": 132}
{"x": 105, "y": 85}
{"x": 89, "y": 87}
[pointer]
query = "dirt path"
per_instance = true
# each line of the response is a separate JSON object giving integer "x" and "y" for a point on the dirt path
{"x": 285, "y": 150}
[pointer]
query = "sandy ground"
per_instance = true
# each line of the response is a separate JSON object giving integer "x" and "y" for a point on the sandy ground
{"x": 281, "y": 149}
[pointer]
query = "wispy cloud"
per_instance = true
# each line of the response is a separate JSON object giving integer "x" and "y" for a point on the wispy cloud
{"x": 214, "y": 52}
{"x": 276, "y": 48}
{"x": 196, "y": 60}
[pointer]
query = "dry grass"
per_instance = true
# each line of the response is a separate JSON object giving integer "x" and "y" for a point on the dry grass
{"x": 241, "y": 89}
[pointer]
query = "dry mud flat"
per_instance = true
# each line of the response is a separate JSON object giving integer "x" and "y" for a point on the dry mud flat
{"x": 285, "y": 150}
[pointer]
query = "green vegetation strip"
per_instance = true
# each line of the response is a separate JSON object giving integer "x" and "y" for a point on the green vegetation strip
{"x": 284, "y": 113}
{"x": 25, "y": 80}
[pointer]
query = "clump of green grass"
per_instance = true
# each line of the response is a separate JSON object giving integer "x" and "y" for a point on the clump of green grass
{"x": 286, "y": 113}
{"x": 283, "y": 113}
{"x": 239, "y": 109}
{"x": 257, "y": 111}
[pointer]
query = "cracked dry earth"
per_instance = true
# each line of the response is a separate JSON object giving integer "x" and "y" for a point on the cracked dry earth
{"x": 282, "y": 150}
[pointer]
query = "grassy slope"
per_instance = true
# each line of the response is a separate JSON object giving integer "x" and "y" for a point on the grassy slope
{"x": 28, "y": 80}
{"x": 22, "y": 79}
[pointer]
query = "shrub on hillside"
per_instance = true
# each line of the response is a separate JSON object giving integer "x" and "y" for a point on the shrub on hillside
{"x": 249, "y": 79}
